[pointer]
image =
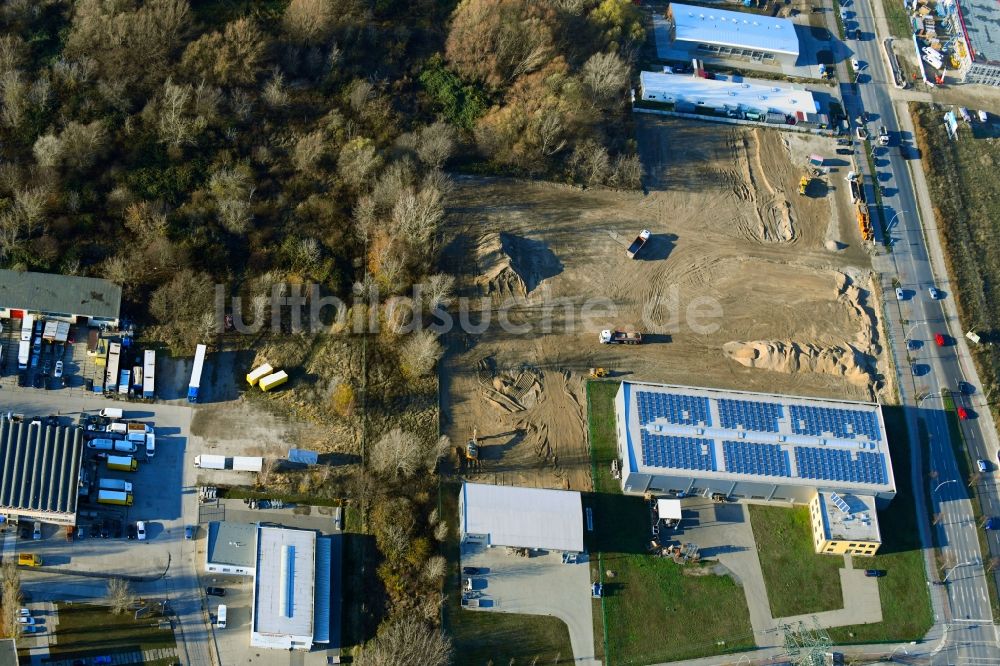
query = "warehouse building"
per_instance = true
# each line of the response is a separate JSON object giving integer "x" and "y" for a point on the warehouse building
{"x": 533, "y": 518}
{"x": 291, "y": 589}
{"x": 980, "y": 21}
{"x": 231, "y": 548}
{"x": 80, "y": 300}
{"x": 702, "y": 32}
{"x": 39, "y": 470}
{"x": 832, "y": 455}
{"x": 734, "y": 96}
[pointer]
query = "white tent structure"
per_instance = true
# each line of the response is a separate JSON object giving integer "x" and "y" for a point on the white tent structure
{"x": 668, "y": 509}
{"x": 534, "y": 518}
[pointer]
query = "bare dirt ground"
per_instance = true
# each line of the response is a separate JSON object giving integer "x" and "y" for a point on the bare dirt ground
{"x": 785, "y": 275}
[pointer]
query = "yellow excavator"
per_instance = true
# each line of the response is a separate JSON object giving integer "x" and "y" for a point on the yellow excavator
{"x": 597, "y": 373}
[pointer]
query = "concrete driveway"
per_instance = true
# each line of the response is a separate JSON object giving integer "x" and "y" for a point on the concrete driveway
{"x": 537, "y": 585}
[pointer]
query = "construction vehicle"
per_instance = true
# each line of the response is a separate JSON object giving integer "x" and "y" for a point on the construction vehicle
{"x": 637, "y": 244}
{"x": 804, "y": 184}
{"x": 472, "y": 449}
{"x": 864, "y": 222}
{"x": 609, "y": 337}
{"x": 597, "y": 373}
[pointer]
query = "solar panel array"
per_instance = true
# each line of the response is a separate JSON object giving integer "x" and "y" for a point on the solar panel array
{"x": 841, "y": 423}
{"x": 676, "y": 452}
{"x": 837, "y": 465}
{"x": 760, "y": 459}
{"x": 752, "y": 415}
{"x": 678, "y": 409}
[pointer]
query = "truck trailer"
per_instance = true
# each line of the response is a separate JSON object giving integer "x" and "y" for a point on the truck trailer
{"x": 207, "y": 461}
{"x": 114, "y": 484}
{"x": 199, "y": 362}
{"x": 148, "y": 373}
{"x": 111, "y": 371}
{"x": 248, "y": 463}
{"x": 114, "y": 497}
{"x": 620, "y": 338}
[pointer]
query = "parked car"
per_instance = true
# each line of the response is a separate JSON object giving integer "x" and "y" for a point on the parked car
{"x": 25, "y": 620}
{"x": 189, "y": 531}
{"x": 470, "y": 571}
{"x": 58, "y": 372}
{"x": 24, "y": 612}
{"x": 934, "y": 293}
{"x": 140, "y": 528}
{"x": 36, "y": 531}
{"x": 215, "y": 591}
{"x": 855, "y": 64}
{"x": 875, "y": 573}
{"x": 982, "y": 465}
{"x": 132, "y": 531}
{"x": 939, "y": 339}
{"x": 899, "y": 294}
{"x": 992, "y": 524}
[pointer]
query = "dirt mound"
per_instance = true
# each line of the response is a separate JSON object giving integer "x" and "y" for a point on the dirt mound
{"x": 510, "y": 391}
{"x": 513, "y": 266}
{"x": 765, "y": 213}
{"x": 789, "y": 357}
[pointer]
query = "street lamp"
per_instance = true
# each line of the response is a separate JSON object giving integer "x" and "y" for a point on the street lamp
{"x": 898, "y": 647}
{"x": 952, "y": 570}
{"x": 943, "y": 483}
{"x": 889, "y": 226}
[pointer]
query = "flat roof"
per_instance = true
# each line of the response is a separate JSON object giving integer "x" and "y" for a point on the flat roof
{"x": 8, "y": 652}
{"x": 60, "y": 294}
{"x": 232, "y": 544}
{"x": 981, "y": 23}
{"x": 523, "y": 517}
{"x": 719, "y": 26}
{"x": 849, "y": 517}
{"x": 759, "y": 437}
{"x": 40, "y": 470}
{"x": 668, "y": 509}
{"x": 284, "y": 583}
{"x": 731, "y": 91}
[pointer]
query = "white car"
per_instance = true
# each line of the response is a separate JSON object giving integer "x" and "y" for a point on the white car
{"x": 140, "y": 530}
{"x": 25, "y": 620}
{"x": 36, "y": 533}
{"x": 24, "y": 612}
{"x": 982, "y": 465}
{"x": 855, "y": 64}
{"x": 934, "y": 293}
{"x": 57, "y": 373}
{"x": 862, "y": 133}
{"x": 899, "y": 294}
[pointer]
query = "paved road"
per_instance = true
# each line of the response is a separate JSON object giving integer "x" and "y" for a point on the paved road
{"x": 925, "y": 369}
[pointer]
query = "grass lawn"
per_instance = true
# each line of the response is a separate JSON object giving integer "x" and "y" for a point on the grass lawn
{"x": 906, "y": 604}
{"x": 899, "y": 23}
{"x": 798, "y": 580}
{"x": 655, "y": 612}
{"x": 484, "y": 637}
{"x": 88, "y": 630}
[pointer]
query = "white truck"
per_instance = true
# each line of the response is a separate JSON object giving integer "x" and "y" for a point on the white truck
{"x": 248, "y": 463}
{"x": 27, "y": 324}
{"x": 119, "y": 445}
{"x": 114, "y": 484}
{"x": 207, "y": 461}
{"x": 23, "y": 354}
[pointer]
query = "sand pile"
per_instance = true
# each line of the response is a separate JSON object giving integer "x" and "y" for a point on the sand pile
{"x": 765, "y": 213}
{"x": 789, "y": 357}
{"x": 499, "y": 278}
{"x": 509, "y": 391}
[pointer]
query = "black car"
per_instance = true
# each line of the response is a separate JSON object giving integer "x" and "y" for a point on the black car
{"x": 857, "y": 34}
{"x": 105, "y": 529}
{"x": 22, "y": 379}
{"x": 132, "y": 531}
{"x": 39, "y": 381}
{"x": 470, "y": 571}
{"x": 215, "y": 591}
{"x": 875, "y": 573}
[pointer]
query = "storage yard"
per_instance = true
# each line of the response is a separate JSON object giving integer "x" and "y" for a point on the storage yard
{"x": 788, "y": 273}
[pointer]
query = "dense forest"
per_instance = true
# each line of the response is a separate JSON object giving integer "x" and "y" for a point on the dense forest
{"x": 168, "y": 145}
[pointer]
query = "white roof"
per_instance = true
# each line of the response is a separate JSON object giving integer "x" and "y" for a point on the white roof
{"x": 723, "y": 91}
{"x": 284, "y": 582}
{"x": 668, "y": 509}
{"x": 719, "y": 26}
{"x": 523, "y": 517}
{"x": 849, "y": 517}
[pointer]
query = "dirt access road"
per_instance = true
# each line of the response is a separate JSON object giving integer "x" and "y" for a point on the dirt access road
{"x": 783, "y": 276}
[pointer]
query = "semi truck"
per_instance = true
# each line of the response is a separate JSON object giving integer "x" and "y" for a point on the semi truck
{"x": 637, "y": 244}
{"x": 199, "y": 362}
{"x": 148, "y": 374}
{"x": 114, "y": 484}
{"x": 248, "y": 463}
{"x": 114, "y": 497}
{"x": 122, "y": 463}
{"x": 210, "y": 462}
{"x": 620, "y": 338}
{"x": 111, "y": 372}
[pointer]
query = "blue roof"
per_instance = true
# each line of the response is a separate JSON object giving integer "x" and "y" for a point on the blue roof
{"x": 321, "y": 617}
{"x": 719, "y": 26}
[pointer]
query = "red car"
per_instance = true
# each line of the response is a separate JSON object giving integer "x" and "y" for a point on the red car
{"x": 962, "y": 414}
{"x": 939, "y": 339}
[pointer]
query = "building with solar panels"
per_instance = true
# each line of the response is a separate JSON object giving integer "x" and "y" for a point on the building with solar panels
{"x": 683, "y": 441}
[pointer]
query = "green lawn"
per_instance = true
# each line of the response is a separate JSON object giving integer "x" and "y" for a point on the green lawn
{"x": 798, "y": 580}
{"x": 87, "y": 630}
{"x": 501, "y": 639}
{"x": 906, "y": 604}
{"x": 655, "y": 612}
{"x": 899, "y": 23}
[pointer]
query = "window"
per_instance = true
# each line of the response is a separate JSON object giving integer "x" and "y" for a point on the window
{"x": 854, "y": 545}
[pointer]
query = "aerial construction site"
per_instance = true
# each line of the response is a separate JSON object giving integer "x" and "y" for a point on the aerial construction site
{"x": 743, "y": 283}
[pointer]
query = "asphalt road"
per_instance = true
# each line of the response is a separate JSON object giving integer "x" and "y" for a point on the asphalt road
{"x": 925, "y": 368}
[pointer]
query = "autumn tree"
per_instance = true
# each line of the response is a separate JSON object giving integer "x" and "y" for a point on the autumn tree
{"x": 405, "y": 641}
{"x": 607, "y": 76}
{"x": 419, "y": 353}
{"x": 234, "y": 56}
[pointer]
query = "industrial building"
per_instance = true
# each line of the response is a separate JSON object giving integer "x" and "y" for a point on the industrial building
{"x": 81, "y": 300}
{"x": 39, "y": 470}
{"x": 709, "y": 32}
{"x": 733, "y": 96}
{"x": 679, "y": 440}
{"x": 291, "y": 589}
{"x": 980, "y": 21}
{"x": 8, "y": 652}
{"x": 844, "y": 524}
{"x": 231, "y": 548}
{"x": 533, "y": 518}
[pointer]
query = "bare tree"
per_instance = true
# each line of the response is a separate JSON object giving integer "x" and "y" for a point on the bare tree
{"x": 397, "y": 453}
{"x": 405, "y": 641}
{"x": 626, "y": 172}
{"x": 10, "y": 233}
{"x": 358, "y": 161}
{"x": 47, "y": 151}
{"x": 435, "y": 567}
{"x": 10, "y": 589}
{"x": 417, "y": 215}
{"x": 14, "y": 95}
{"x": 81, "y": 145}
{"x": 438, "y": 290}
{"x": 275, "y": 95}
{"x": 119, "y": 596}
{"x": 441, "y": 531}
{"x": 309, "y": 21}
{"x": 309, "y": 152}
{"x": 30, "y": 205}
{"x": 419, "y": 353}
{"x": 435, "y": 144}
{"x": 233, "y": 191}
{"x": 178, "y": 125}
{"x": 606, "y": 74}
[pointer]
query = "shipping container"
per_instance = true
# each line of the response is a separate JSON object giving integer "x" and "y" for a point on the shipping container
{"x": 199, "y": 362}
{"x": 273, "y": 380}
{"x": 259, "y": 373}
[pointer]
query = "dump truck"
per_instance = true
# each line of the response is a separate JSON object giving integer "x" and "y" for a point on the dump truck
{"x": 637, "y": 244}
{"x": 804, "y": 184}
{"x": 620, "y": 338}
